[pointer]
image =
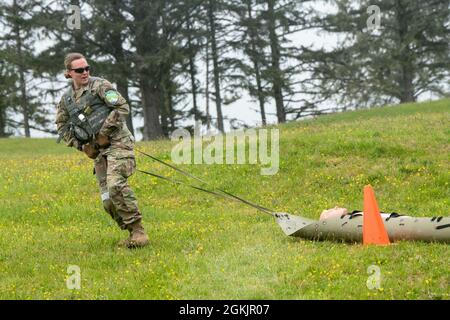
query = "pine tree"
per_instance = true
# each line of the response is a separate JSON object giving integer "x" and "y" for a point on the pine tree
{"x": 109, "y": 30}
{"x": 252, "y": 42}
{"x": 17, "y": 51}
{"x": 8, "y": 79}
{"x": 212, "y": 6}
{"x": 158, "y": 57}
{"x": 192, "y": 42}
{"x": 271, "y": 63}
{"x": 408, "y": 55}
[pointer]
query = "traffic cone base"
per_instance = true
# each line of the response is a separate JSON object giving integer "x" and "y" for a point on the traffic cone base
{"x": 374, "y": 231}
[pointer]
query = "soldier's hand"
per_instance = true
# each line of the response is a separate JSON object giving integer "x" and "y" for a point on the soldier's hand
{"x": 79, "y": 146}
{"x": 102, "y": 141}
{"x": 75, "y": 143}
{"x": 91, "y": 151}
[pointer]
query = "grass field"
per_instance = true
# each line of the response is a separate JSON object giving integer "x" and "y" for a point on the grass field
{"x": 207, "y": 248}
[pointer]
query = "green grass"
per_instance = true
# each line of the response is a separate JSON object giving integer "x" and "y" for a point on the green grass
{"x": 207, "y": 248}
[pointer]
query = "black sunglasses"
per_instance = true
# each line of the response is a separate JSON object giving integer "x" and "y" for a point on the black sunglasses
{"x": 81, "y": 70}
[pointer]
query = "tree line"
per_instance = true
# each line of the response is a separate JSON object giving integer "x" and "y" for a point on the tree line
{"x": 184, "y": 60}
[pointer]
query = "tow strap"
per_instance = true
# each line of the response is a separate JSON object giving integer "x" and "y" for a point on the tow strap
{"x": 215, "y": 191}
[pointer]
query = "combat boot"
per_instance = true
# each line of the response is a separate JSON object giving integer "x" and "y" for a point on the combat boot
{"x": 124, "y": 242}
{"x": 138, "y": 237}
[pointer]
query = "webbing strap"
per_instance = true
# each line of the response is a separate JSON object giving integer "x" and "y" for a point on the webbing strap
{"x": 223, "y": 194}
{"x": 173, "y": 167}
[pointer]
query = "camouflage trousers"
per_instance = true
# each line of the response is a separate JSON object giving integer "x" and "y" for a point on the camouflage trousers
{"x": 118, "y": 198}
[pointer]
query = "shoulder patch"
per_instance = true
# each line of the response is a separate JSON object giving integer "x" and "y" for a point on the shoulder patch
{"x": 112, "y": 96}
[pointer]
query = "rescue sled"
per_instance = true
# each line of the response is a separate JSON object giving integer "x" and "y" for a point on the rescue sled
{"x": 349, "y": 227}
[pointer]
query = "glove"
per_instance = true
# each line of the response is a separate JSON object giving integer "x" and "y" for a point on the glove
{"x": 75, "y": 143}
{"x": 102, "y": 141}
{"x": 91, "y": 151}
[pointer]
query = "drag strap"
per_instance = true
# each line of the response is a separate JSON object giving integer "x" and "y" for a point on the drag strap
{"x": 173, "y": 167}
{"x": 223, "y": 194}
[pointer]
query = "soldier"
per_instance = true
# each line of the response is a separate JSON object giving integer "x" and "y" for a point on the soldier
{"x": 91, "y": 117}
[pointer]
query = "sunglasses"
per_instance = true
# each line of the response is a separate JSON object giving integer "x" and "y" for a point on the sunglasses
{"x": 81, "y": 70}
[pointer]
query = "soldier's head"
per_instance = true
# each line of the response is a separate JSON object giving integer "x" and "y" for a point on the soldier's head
{"x": 77, "y": 69}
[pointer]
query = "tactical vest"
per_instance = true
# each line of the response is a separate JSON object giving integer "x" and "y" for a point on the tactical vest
{"x": 87, "y": 115}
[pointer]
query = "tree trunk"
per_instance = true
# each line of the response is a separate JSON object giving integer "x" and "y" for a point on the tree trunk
{"x": 208, "y": 116}
{"x": 166, "y": 103}
{"x": 117, "y": 51}
{"x": 22, "y": 81}
{"x": 253, "y": 37}
{"x": 24, "y": 103}
{"x": 406, "y": 56}
{"x": 169, "y": 98}
{"x": 192, "y": 73}
{"x": 277, "y": 80}
{"x": 147, "y": 41}
{"x": 406, "y": 84}
{"x": 2, "y": 122}
{"x": 122, "y": 87}
{"x": 215, "y": 58}
{"x": 164, "y": 107}
{"x": 150, "y": 101}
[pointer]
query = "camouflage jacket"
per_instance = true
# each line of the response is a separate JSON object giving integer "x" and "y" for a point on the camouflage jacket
{"x": 115, "y": 127}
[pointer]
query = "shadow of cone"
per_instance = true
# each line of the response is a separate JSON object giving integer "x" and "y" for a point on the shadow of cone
{"x": 374, "y": 231}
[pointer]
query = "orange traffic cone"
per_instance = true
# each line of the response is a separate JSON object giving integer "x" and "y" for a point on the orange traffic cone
{"x": 374, "y": 231}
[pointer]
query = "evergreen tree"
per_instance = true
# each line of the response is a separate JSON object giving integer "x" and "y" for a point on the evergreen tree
{"x": 272, "y": 62}
{"x": 8, "y": 79}
{"x": 252, "y": 43}
{"x": 17, "y": 52}
{"x": 212, "y": 7}
{"x": 109, "y": 30}
{"x": 408, "y": 55}
{"x": 192, "y": 43}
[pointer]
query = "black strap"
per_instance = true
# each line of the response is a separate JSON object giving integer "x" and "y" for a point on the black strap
{"x": 180, "y": 182}
{"x": 356, "y": 213}
{"x": 173, "y": 167}
{"x": 223, "y": 193}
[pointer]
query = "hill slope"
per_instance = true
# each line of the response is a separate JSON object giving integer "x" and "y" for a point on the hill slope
{"x": 206, "y": 248}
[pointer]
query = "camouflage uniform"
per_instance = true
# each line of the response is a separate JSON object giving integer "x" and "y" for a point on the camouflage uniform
{"x": 116, "y": 163}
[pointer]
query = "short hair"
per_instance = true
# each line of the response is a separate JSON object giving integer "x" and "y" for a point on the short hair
{"x": 68, "y": 61}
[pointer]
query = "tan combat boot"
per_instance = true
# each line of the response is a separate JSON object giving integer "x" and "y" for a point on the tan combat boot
{"x": 138, "y": 238}
{"x": 124, "y": 242}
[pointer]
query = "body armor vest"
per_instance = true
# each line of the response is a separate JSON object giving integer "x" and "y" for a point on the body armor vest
{"x": 87, "y": 115}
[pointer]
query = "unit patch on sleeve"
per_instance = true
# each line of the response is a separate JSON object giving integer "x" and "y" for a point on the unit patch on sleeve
{"x": 112, "y": 97}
